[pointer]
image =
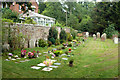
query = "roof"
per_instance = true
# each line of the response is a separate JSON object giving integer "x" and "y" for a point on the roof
{"x": 33, "y": 14}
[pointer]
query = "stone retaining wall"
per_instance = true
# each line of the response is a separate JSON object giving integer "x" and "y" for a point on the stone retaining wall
{"x": 34, "y": 32}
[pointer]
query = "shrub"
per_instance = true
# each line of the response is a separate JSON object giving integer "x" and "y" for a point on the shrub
{"x": 42, "y": 43}
{"x": 69, "y": 45}
{"x": 58, "y": 52}
{"x": 63, "y": 35}
{"x": 49, "y": 43}
{"x": 52, "y": 40}
{"x": 69, "y": 37}
{"x": 110, "y": 31}
{"x": 73, "y": 33}
{"x": 53, "y": 34}
{"x": 57, "y": 42}
{"x": 62, "y": 41}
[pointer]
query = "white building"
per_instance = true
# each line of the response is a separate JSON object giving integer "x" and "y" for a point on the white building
{"x": 41, "y": 20}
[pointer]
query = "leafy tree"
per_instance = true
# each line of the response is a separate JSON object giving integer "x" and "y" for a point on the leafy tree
{"x": 9, "y": 14}
{"x": 42, "y": 7}
{"x": 54, "y": 10}
{"x": 106, "y": 13}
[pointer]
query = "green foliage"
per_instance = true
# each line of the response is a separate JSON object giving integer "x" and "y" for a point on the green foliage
{"x": 49, "y": 43}
{"x": 57, "y": 42}
{"x": 105, "y": 13}
{"x": 63, "y": 35}
{"x": 73, "y": 33}
{"x": 69, "y": 37}
{"x": 29, "y": 21}
{"x": 58, "y": 24}
{"x": 42, "y": 43}
{"x": 62, "y": 41}
{"x": 52, "y": 40}
{"x": 110, "y": 31}
{"x": 58, "y": 52}
{"x": 13, "y": 37}
{"x": 69, "y": 45}
{"x": 53, "y": 34}
{"x": 9, "y": 14}
{"x": 42, "y": 7}
{"x": 7, "y": 20}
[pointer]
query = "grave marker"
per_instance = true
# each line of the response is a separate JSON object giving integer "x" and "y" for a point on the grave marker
{"x": 94, "y": 36}
{"x": 98, "y": 35}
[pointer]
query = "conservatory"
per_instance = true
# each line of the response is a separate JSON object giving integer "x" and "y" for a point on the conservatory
{"x": 41, "y": 20}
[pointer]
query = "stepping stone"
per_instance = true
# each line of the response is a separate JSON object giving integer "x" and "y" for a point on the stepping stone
{"x": 13, "y": 59}
{"x": 7, "y": 60}
{"x": 65, "y": 58}
{"x": 68, "y": 55}
{"x": 74, "y": 48}
{"x": 18, "y": 58}
{"x": 47, "y": 69}
{"x": 41, "y": 64}
{"x": 21, "y": 61}
{"x": 27, "y": 60}
{"x": 54, "y": 66}
{"x": 53, "y": 60}
{"x": 63, "y": 55}
{"x": 35, "y": 67}
{"x": 39, "y": 53}
{"x": 45, "y": 52}
{"x": 57, "y": 63}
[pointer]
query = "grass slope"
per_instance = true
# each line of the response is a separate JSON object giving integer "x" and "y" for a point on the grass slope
{"x": 94, "y": 59}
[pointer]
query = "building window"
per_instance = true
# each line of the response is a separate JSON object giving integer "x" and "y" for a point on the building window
{"x": 19, "y": 7}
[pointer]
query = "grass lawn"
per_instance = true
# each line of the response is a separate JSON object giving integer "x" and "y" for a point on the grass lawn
{"x": 94, "y": 59}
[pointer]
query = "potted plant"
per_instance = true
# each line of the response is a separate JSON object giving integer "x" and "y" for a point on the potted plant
{"x": 71, "y": 63}
{"x": 23, "y": 53}
{"x": 30, "y": 54}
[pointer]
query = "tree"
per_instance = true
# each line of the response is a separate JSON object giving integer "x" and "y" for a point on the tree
{"x": 54, "y": 10}
{"x": 106, "y": 13}
{"x": 9, "y": 14}
{"x": 42, "y": 7}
